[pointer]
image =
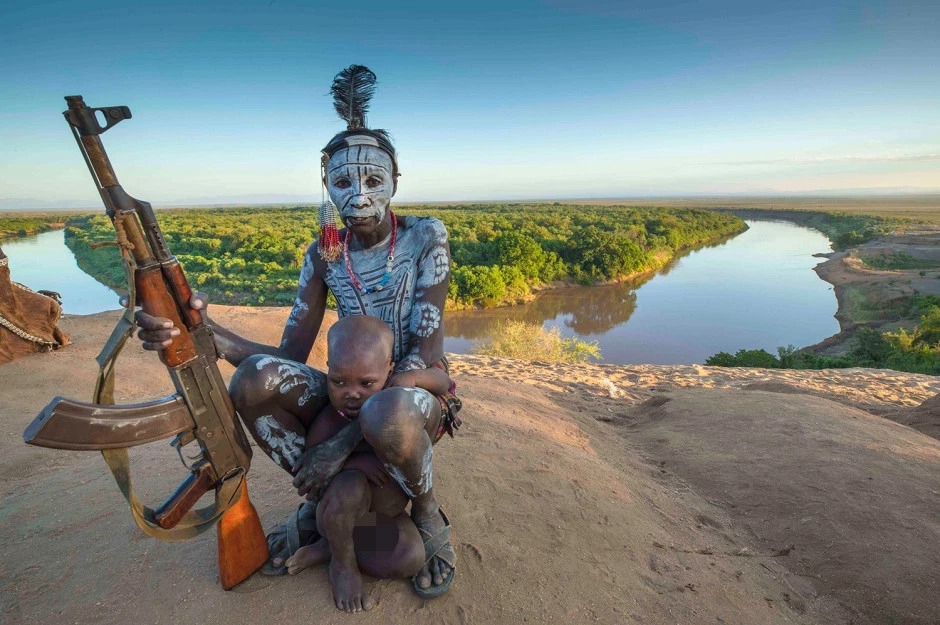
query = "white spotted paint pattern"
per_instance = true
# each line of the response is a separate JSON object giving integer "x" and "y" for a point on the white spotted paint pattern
{"x": 425, "y": 319}
{"x": 283, "y": 443}
{"x": 434, "y": 268}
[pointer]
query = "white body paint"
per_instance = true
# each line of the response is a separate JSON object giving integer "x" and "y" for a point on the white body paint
{"x": 434, "y": 268}
{"x": 425, "y": 483}
{"x": 306, "y": 273}
{"x": 283, "y": 443}
{"x": 289, "y": 375}
{"x": 423, "y": 400}
{"x": 298, "y": 312}
{"x": 400, "y": 303}
{"x": 426, "y": 403}
{"x": 425, "y": 319}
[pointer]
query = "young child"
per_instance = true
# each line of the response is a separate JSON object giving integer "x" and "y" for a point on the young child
{"x": 361, "y": 515}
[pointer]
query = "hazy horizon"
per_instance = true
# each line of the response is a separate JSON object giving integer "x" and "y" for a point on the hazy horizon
{"x": 930, "y": 196}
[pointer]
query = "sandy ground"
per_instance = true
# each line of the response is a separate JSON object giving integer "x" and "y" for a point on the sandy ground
{"x": 579, "y": 494}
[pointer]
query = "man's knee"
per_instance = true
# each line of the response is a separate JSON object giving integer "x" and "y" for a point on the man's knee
{"x": 395, "y": 424}
{"x": 260, "y": 378}
{"x": 396, "y": 412}
{"x": 248, "y": 381}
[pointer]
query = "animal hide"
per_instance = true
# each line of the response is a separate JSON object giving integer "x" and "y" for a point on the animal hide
{"x": 32, "y": 313}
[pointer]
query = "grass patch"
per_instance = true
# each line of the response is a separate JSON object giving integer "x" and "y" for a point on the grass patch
{"x": 897, "y": 261}
{"x": 530, "y": 341}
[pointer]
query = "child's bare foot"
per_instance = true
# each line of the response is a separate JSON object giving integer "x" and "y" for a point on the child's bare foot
{"x": 347, "y": 587}
{"x": 310, "y": 555}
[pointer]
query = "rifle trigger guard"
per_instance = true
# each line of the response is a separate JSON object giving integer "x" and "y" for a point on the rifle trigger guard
{"x": 181, "y": 440}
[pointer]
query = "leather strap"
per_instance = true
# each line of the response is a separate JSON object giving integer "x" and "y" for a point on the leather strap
{"x": 194, "y": 522}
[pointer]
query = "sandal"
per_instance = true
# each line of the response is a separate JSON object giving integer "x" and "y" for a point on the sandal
{"x": 437, "y": 546}
{"x": 284, "y": 540}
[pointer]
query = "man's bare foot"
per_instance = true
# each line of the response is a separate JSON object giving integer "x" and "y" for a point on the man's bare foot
{"x": 436, "y": 571}
{"x": 347, "y": 587}
{"x": 310, "y": 555}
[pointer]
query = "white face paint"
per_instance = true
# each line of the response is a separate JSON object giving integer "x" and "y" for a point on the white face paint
{"x": 360, "y": 182}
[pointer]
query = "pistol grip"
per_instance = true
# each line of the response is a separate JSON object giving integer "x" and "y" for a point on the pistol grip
{"x": 199, "y": 482}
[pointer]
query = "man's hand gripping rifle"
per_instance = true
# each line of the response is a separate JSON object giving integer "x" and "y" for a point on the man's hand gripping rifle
{"x": 200, "y": 411}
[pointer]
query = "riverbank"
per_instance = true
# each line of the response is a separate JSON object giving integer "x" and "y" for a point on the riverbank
{"x": 578, "y": 493}
{"x": 874, "y": 282}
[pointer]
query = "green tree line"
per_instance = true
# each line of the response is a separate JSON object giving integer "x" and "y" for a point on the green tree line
{"x": 500, "y": 252}
{"x": 16, "y": 225}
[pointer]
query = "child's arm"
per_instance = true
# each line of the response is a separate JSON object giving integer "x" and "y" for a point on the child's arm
{"x": 432, "y": 379}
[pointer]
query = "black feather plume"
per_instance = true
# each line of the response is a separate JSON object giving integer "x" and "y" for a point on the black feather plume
{"x": 352, "y": 89}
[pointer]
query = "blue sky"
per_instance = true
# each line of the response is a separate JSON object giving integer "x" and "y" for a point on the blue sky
{"x": 486, "y": 100}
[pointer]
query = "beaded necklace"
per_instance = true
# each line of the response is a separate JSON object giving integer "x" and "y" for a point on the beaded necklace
{"x": 388, "y": 264}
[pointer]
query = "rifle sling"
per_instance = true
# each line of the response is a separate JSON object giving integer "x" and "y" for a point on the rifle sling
{"x": 194, "y": 522}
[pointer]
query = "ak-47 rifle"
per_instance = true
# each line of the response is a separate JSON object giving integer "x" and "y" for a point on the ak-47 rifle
{"x": 200, "y": 411}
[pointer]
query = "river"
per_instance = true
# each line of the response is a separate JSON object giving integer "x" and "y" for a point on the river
{"x": 44, "y": 262}
{"x": 756, "y": 290}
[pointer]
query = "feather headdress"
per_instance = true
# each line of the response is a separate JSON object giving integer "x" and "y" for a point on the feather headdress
{"x": 352, "y": 89}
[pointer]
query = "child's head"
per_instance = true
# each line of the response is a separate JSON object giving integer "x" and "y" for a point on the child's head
{"x": 359, "y": 357}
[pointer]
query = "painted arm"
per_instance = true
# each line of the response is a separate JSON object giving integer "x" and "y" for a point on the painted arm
{"x": 426, "y": 345}
{"x": 306, "y": 316}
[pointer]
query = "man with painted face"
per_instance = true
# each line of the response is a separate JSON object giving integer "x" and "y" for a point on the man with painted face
{"x": 391, "y": 267}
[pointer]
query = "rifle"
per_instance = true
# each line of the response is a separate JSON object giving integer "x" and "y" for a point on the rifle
{"x": 201, "y": 410}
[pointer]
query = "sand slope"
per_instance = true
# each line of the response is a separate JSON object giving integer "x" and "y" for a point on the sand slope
{"x": 579, "y": 494}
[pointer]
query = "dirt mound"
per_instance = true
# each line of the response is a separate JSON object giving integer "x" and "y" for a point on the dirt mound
{"x": 841, "y": 497}
{"x": 924, "y": 418}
